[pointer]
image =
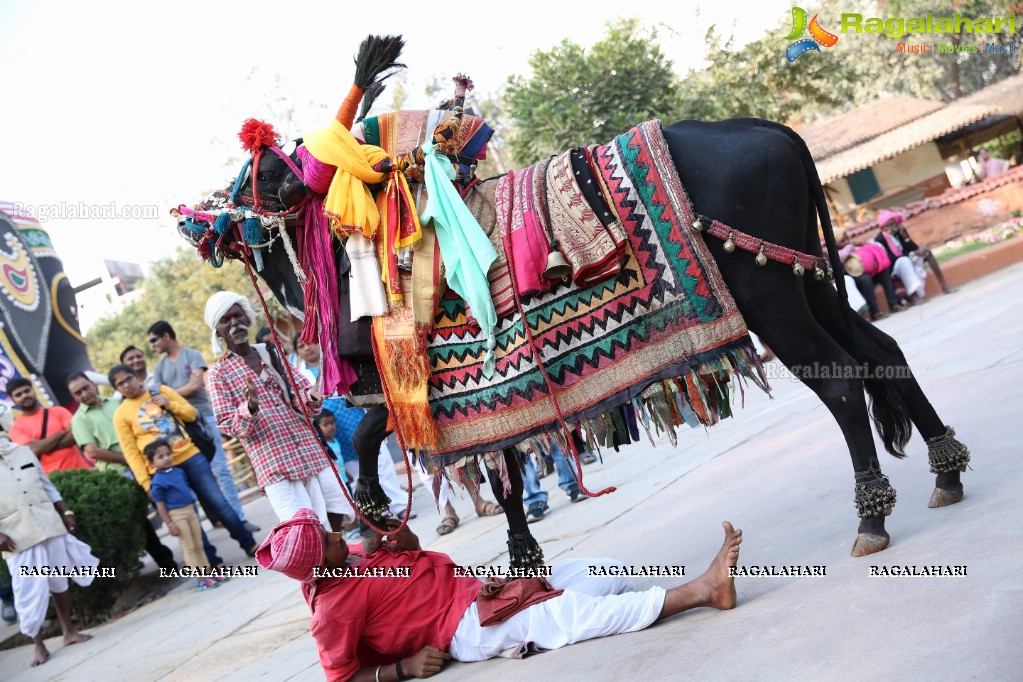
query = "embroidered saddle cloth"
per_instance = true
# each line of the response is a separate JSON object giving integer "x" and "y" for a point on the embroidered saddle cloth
{"x": 663, "y": 318}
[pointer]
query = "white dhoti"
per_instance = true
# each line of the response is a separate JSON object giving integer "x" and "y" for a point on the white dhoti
{"x": 321, "y": 493}
{"x": 32, "y": 593}
{"x": 904, "y": 270}
{"x": 856, "y": 300}
{"x": 590, "y": 607}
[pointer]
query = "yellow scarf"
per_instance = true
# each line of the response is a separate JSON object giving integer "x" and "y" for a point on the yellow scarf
{"x": 349, "y": 205}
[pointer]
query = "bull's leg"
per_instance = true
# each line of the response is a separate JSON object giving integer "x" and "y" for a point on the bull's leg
{"x": 369, "y": 497}
{"x": 524, "y": 553}
{"x": 817, "y": 360}
{"x": 948, "y": 457}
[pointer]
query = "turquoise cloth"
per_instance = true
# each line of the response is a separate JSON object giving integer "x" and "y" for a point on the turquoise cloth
{"x": 464, "y": 247}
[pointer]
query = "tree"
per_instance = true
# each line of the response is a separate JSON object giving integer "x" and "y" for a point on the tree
{"x": 176, "y": 291}
{"x": 577, "y": 97}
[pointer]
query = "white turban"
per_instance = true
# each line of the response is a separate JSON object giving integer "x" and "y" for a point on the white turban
{"x": 218, "y": 304}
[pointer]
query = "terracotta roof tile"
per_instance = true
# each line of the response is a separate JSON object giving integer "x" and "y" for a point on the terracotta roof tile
{"x": 1003, "y": 98}
{"x": 864, "y": 123}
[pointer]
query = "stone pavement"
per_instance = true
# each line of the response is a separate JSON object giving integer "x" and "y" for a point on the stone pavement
{"x": 780, "y": 471}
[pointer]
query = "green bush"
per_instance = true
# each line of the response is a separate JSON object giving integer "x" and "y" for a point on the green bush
{"x": 109, "y": 509}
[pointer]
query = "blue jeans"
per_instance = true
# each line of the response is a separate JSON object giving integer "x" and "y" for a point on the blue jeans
{"x": 531, "y": 490}
{"x": 222, "y": 471}
{"x": 204, "y": 484}
{"x": 566, "y": 474}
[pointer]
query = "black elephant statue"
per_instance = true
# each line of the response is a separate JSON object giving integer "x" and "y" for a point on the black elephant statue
{"x": 40, "y": 338}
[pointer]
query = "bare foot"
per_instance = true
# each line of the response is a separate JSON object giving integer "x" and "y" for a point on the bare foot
{"x": 76, "y": 637}
{"x": 719, "y": 584}
{"x": 42, "y": 655}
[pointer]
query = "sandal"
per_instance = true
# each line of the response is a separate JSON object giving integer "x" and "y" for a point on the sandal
{"x": 490, "y": 509}
{"x": 447, "y": 525}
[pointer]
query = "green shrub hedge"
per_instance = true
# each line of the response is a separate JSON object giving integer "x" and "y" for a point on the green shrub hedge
{"x": 108, "y": 508}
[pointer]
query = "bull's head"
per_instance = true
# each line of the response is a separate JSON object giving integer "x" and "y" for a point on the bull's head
{"x": 256, "y": 218}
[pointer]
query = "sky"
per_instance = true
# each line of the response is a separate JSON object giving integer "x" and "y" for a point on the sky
{"x": 132, "y": 108}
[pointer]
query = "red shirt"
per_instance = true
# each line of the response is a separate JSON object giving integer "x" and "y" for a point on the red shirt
{"x": 369, "y": 621}
{"x": 28, "y": 428}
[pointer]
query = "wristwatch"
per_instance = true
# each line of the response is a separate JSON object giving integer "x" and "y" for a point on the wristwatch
{"x": 68, "y": 512}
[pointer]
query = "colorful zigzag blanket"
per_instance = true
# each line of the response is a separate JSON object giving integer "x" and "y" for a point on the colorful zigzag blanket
{"x": 664, "y": 334}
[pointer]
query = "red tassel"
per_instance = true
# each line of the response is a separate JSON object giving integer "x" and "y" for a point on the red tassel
{"x": 256, "y": 135}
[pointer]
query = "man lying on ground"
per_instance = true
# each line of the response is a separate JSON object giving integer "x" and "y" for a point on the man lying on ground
{"x": 374, "y": 627}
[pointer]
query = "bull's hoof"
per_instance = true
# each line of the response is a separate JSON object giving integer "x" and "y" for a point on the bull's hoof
{"x": 942, "y": 498}
{"x": 869, "y": 543}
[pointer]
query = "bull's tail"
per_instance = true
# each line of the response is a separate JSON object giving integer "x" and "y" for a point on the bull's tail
{"x": 887, "y": 409}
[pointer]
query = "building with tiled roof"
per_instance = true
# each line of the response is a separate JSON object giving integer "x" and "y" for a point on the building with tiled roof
{"x": 901, "y": 149}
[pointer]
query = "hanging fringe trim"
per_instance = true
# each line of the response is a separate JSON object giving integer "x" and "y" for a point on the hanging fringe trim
{"x": 946, "y": 454}
{"x": 697, "y": 399}
{"x": 408, "y": 365}
{"x": 416, "y": 423}
{"x": 874, "y": 495}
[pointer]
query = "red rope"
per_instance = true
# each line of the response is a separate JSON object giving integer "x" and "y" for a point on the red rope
{"x": 543, "y": 370}
{"x": 305, "y": 413}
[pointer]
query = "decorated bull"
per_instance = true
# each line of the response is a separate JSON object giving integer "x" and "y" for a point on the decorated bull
{"x": 610, "y": 284}
{"x": 39, "y": 338}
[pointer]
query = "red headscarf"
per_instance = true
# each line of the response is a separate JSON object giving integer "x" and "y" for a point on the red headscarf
{"x": 294, "y": 547}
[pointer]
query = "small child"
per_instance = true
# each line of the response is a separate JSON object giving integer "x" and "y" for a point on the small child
{"x": 175, "y": 502}
{"x": 327, "y": 425}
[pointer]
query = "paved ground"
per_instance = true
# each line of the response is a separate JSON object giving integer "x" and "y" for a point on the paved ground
{"x": 779, "y": 471}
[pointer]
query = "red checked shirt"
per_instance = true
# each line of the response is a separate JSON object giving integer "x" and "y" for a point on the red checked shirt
{"x": 278, "y": 441}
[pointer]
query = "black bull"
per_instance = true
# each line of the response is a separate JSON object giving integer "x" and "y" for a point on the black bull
{"x": 757, "y": 177}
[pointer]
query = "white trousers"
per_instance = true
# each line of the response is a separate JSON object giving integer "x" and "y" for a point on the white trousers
{"x": 321, "y": 493}
{"x": 856, "y": 300}
{"x": 388, "y": 479}
{"x": 590, "y": 607}
{"x": 904, "y": 270}
{"x": 32, "y": 593}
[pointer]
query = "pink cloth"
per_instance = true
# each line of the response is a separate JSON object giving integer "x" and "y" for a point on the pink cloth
{"x": 889, "y": 216}
{"x": 294, "y": 547}
{"x": 893, "y": 244}
{"x": 875, "y": 259}
{"x": 523, "y": 235}
{"x": 317, "y": 174}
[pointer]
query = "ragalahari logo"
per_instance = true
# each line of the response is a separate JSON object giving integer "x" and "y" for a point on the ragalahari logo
{"x": 818, "y": 36}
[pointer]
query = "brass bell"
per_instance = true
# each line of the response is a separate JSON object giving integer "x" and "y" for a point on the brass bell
{"x": 697, "y": 225}
{"x": 761, "y": 258}
{"x": 798, "y": 270}
{"x": 557, "y": 266}
{"x": 818, "y": 274}
{"x": 729, "y": 244}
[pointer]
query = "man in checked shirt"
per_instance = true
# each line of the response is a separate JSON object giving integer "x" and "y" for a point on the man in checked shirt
{"x": 253, "y": 401}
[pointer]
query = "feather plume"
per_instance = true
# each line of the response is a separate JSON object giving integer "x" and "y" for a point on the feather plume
{"x": 377, "y": 60}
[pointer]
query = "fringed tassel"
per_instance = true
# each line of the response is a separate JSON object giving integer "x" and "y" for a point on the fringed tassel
{"x": 338, "y": 375}
{"x": 415, "y": 423}
{"x": 205, "y": 249}
{"x": 223, "y": 223}
{"x": 408, "y": 365}
{"x": 252, "y": 231}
